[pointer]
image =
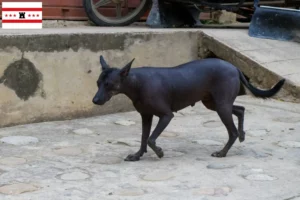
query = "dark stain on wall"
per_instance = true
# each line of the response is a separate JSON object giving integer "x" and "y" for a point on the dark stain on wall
{"x": 22, "y": 77}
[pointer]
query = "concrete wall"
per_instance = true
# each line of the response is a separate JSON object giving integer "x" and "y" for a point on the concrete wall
{"x": 53, "y": 77}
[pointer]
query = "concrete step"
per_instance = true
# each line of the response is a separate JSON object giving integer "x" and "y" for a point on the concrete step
{"x": 264, "y": 61}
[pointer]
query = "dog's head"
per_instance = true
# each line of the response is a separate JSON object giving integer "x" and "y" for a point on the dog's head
{"x": 110, "y": 81}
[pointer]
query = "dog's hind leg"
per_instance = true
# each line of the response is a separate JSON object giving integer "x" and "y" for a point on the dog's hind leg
{"x": 239, "y": 112}
{"x": 224, "y": 111}
{"x": 223, "y": 94}
{"x": 236, "y": 110}
{"x": 163, "y": 122}
{"x": 146, "y": 128}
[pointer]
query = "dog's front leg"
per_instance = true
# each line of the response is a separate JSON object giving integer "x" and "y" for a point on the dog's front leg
{"x": 162, "y": 124}
{"x": 146, "y": 123}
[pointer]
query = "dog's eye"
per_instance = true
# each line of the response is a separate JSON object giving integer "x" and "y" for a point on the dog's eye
{"x": 106, "y": 84}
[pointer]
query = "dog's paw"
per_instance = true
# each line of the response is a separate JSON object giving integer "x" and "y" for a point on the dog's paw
{"x": 218, "y": 154}
{"x": 242, "y": 136}
{"x": 151, "y": 144}
{"x": 159, "y": 152}
{"x": 133, "y": 157}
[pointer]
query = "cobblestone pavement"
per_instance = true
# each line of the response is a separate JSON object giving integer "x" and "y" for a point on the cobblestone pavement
{"x": 83, "y": 159}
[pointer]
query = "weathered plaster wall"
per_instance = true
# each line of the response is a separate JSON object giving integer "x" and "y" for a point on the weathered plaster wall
{"x": 53, "y": 77}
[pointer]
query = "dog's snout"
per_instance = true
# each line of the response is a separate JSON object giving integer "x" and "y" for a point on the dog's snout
{"x": 96, "y": 100}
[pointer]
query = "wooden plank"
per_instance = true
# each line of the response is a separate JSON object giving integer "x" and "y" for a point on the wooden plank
{"x": 61, "y": 3}
{"x": 130, "y": 4}
{"x": 64, "y": 13}
{"x": 75, "y": 13}
{"x": 134, "y": 3}
{"x": 71, "y": 3}
{"x": 73, "y": 9}
{"x": 68, "y": 3}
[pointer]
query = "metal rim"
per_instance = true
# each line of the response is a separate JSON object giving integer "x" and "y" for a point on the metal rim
{"x": 120, "y": 19}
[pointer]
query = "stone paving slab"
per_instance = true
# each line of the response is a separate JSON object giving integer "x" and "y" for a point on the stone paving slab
{"x": 276, "y": 58}
{"x": 83, "y": 159}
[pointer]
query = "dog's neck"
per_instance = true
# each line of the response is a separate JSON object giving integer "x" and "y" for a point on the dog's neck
{"x": 130, "y": 87}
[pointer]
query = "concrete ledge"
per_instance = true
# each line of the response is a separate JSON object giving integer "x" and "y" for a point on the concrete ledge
{"x": 259, "y": 75}
{"x": 53, "y": 76}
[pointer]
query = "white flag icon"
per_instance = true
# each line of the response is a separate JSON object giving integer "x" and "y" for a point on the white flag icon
{"x": 22, "y": 15}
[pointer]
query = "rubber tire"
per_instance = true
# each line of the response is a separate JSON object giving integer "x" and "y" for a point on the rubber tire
{"x": 99, "y": 22}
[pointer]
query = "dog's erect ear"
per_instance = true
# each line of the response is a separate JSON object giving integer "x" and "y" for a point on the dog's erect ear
{"x": 125, "y": 70}
{"x": 104, "y": 65}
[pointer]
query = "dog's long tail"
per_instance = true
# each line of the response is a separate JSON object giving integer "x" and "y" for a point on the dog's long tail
{"x": 261, "y": 93}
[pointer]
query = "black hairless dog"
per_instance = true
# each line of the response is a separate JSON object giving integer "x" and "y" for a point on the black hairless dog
{"x": 160, "y": 91}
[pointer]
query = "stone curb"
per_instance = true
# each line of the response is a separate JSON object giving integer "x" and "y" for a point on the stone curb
{"x": 258, "y": 73}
